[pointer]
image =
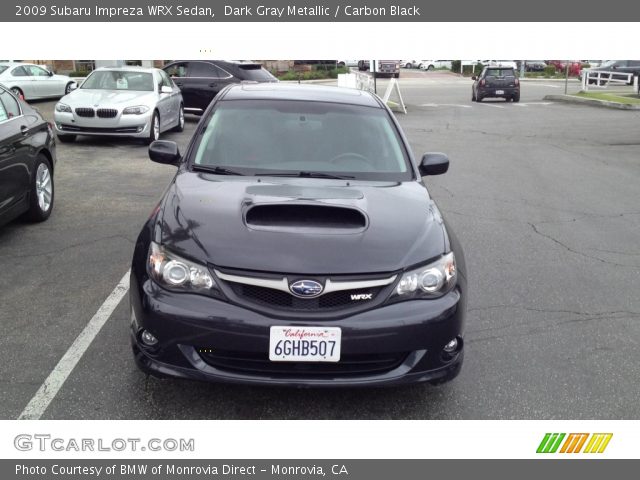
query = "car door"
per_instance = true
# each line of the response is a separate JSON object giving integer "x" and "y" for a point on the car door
{"x": 14, "y": 154}
{"x": 207, "y": 80}
{"x": 178, "y": 72}
{"x": 44, "y": 85}
{"x": 163, "y": 102}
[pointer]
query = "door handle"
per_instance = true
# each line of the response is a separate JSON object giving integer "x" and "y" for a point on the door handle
{"x": 214, "y": 84}
{"x": 24, "y": 130}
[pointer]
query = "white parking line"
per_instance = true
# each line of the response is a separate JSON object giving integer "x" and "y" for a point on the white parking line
{"x": 444, "y": 105}
{"x": 49, "y": 389}
{"x": 490, "y": 105}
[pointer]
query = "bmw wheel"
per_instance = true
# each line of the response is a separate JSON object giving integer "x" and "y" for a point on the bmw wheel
{"x": 42, "y": 193}
{"x": 154, "y": 128}
{"x": 180, "y": 126}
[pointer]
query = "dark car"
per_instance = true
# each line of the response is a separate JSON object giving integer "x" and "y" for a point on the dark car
{"x": 297, "y": 244}
{"x": 534, "y": 65}
{"x": 496, "y": 82}
{"x": 201, "y": 80}
{"x": 27, "y": 160}
{"x": 612, "y": 68}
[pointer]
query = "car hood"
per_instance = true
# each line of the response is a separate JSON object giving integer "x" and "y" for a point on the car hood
{"x": 89, "y": 97}
{"x": 205, "y": 217}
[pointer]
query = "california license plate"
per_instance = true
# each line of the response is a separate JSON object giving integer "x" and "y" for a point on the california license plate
{"x": 304, "y": 344}
{"x": 499, "y": 92}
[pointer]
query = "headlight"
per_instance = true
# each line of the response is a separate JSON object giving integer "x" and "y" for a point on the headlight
{"x": 430, "y": 281}
{"x": 139, "y": 110}
{"x": 61, "y": 107}
{"x": 176, "y": 273}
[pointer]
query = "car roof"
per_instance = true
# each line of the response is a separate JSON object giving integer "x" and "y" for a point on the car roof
{"x": 126, "y": 69}
{"x": 294, "y": 91}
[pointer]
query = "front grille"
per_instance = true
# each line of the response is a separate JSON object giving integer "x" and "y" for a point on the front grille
{"x": 278, "y": 299}
{"x": 85, "y": 112}
{"x": 74, "y": 128}
{"x": 107, "y": 112}
{"x": 259, "y": 363}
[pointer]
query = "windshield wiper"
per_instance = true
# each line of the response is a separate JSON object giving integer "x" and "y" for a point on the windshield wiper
{"x": 217, "y": 170}
{"x": 306, "y": 174}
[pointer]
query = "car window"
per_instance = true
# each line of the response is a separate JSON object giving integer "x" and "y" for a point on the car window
{"x": 119, "y": 80}
{"x": 10, "y": 105}
{"x": 499, "y": 72}
{"x": 3, "y": 114}
{"x": 255, "y": 72}
{"x": 177, "y": 70}
{"x": 3, "y": 68}
{"x": 632, "y": 63}
{"x": 206, "y": 70}
{"x": 288, "y": 136}
{"x": 37, "y": 71}
{"x": 166, "y": 81}
{"x": 19, "y": 72}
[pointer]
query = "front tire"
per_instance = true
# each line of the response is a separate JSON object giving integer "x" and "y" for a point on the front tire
{"x": 41, "y": 195}
{"x": 515, "y": 98}
{"x": 180, "y": 126}
{"x": 430, "y": 67}
{"x": 154, "y": 129}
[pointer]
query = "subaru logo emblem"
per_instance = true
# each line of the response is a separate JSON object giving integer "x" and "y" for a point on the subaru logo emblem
{"x": 306, "y": 288}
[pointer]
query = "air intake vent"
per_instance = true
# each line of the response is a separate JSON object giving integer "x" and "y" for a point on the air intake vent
{"x": 305, "y": 217}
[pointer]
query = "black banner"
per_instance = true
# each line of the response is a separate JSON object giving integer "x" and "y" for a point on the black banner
{"x": 315, "y": 11}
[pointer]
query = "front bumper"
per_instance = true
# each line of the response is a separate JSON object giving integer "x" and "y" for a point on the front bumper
{"x": 136, "y": 126}
{"x": 414, "y": 332}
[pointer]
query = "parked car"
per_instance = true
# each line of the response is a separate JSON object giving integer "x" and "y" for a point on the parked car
{"x": 410, "y": 63}
{"x": 347, "y": 63}
{"x": 433, "y": 64}
{"x": 383, "y": 68}
{"x": 298, "y": 245}
{"x": 201, "y": 80}
{"x": 624, "y": 67}
{"x": 32, "y": 82}
{"x": 500, "y": 63}
{"x": 27, "y": 161}
{"x": 123, "y": 102}
{"x": 500, "y": 82}
{"x": 534, "y": 65}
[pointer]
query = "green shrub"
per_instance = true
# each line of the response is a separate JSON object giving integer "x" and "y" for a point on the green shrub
{"x": 79, "y": 73}
{"x": 550, "y": 70}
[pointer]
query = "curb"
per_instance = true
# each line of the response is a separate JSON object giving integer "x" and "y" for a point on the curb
{"x": 559, "y": 80}
{"x": 591, "y": 101}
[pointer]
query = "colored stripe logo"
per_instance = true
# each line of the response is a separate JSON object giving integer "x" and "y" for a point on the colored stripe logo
{"x": 574, "y": 443}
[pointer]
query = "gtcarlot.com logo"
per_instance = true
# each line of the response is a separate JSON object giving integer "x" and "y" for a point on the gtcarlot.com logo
{"x": 574, "y": 443}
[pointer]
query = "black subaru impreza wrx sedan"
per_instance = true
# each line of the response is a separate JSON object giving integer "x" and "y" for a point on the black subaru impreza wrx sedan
{"x": 298, "y": 245}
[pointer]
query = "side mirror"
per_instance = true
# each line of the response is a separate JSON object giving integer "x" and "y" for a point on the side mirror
{"x": 474, "y": 78}
{"x": 73, "y": 86}
{"x": 434, "y": 163}
{"x": 165, "y": 152}
{"x": 165, "y": 89}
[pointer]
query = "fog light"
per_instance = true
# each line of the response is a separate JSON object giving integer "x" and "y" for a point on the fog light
{"x": 452, "y": 346}
{"x": 148, "y": 338}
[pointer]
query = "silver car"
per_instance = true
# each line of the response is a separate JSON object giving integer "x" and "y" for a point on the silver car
{"x": 124, "y": 102}
{"x": 31, "y": 81}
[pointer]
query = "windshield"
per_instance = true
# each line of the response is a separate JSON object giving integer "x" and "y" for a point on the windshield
{"x": 289, "y": 137}
{"x": 119, "y": 80}
{"x": 608, "y": 63}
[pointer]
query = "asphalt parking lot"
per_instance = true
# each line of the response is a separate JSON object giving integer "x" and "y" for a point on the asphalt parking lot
{"x": 543, "y": 196}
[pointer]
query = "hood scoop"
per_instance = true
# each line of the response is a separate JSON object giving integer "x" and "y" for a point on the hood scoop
{"x": 306, "y": 218}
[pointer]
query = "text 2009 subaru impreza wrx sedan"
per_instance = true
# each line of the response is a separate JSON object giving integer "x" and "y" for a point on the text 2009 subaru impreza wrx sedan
{"x": 298, "y": 245}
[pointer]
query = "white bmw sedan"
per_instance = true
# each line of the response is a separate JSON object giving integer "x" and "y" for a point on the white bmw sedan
{"x": 123, "y": 101}
{"x": 31, "y": 81}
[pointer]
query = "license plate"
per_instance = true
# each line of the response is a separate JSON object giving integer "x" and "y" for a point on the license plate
{"x": 304, "y": 344}
{"x": 499, "y": 92}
